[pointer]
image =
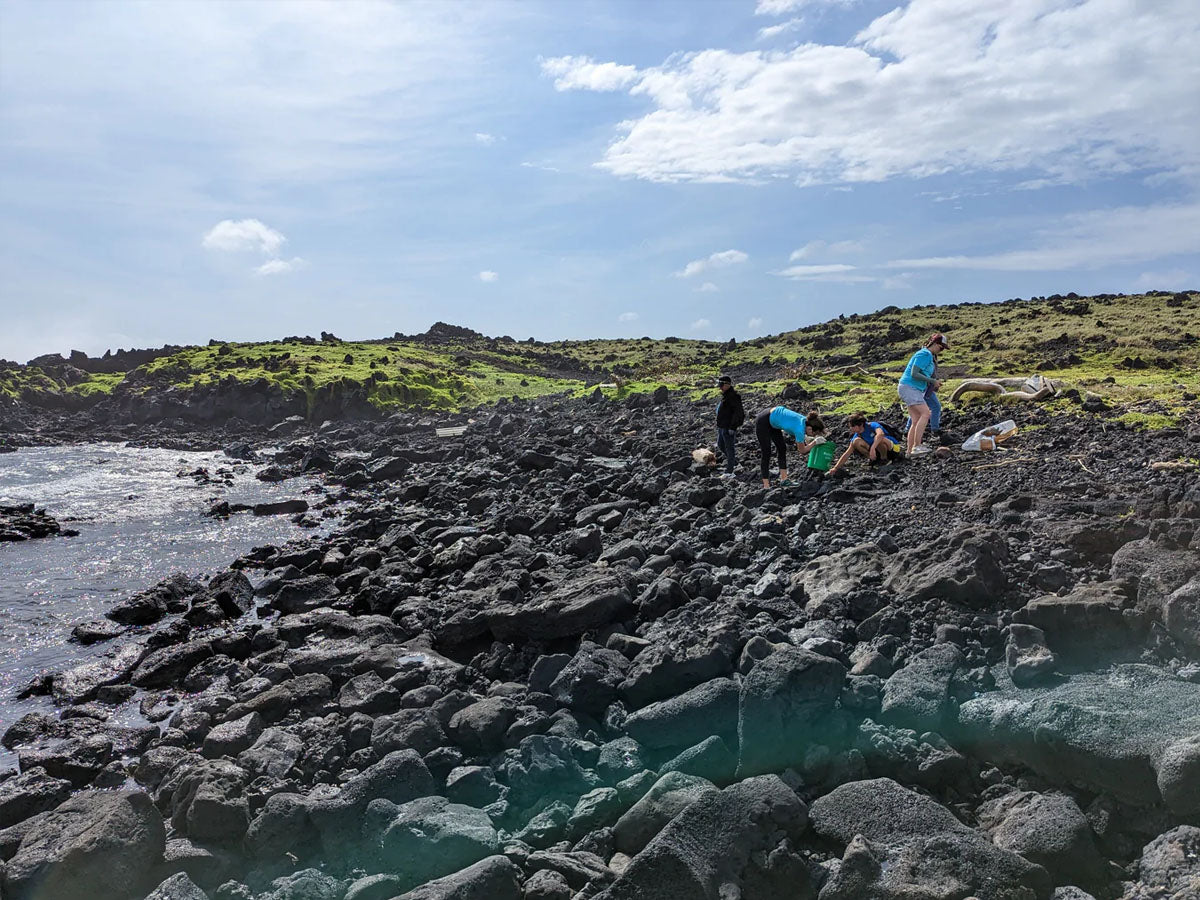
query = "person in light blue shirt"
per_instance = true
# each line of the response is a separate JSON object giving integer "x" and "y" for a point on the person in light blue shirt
{"x": 919, "y": 377}
{"x": 771, "y": 426}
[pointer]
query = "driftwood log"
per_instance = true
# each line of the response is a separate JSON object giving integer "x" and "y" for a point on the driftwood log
{"x": 1036, "y": 387}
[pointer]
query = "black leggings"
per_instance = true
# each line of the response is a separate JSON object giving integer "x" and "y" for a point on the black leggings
{"x": 766, "y": 437}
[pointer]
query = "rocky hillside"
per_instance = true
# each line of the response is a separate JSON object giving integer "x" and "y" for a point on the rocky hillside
{"x": 1142, "y": 351}
{"x": 552, "y": 658}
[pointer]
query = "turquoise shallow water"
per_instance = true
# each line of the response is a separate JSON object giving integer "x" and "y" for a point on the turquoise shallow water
{"x": 138, "y": 522}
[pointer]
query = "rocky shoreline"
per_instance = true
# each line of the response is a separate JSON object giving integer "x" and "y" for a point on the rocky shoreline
{"x": 553, "y": 658}
{"x": 24, "y": 522}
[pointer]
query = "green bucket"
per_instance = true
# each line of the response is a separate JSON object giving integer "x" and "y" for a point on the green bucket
{"x": 821, "y": 456}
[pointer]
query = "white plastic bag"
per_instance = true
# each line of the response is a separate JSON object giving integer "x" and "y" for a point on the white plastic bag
{"x": 989, "y": 437}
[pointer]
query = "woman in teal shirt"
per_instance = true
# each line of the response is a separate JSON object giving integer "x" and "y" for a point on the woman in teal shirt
{"x": 771, "y": 425}
{"x": 917, "y": 378}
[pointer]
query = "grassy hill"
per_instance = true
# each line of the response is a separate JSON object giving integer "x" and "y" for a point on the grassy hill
{"x": 1142, "y": 351}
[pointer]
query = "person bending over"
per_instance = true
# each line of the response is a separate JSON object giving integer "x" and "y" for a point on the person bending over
{"x": 773, "y": 427}
{"x": 917, "y": 378}
{"x": 869, "y": 439}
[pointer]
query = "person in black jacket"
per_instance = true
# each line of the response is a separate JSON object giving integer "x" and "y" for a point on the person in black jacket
{"x": 730, "y": 416}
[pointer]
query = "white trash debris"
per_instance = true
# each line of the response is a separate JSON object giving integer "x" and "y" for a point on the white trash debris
{"x": 989, "y": 438}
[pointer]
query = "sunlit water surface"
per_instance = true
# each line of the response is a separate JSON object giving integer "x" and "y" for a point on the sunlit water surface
{"x": 138, "y": 522}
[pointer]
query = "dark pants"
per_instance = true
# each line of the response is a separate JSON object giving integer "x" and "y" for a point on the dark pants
{"x": 727, "y": 444}
{"x": 766, "y": 437}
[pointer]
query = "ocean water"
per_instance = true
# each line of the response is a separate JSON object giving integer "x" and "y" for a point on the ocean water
{"x": 138, "y": 521}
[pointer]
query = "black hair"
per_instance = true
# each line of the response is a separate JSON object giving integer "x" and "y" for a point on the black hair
{"x": 815, "y": 423}
{"x": 858, "y": 420}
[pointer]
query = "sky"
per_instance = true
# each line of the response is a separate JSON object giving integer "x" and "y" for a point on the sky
{"x": 173, "y": 172}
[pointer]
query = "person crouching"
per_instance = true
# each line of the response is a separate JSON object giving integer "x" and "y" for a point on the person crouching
{"x": 870, "y": 439}
{"x": 773, "y": 427}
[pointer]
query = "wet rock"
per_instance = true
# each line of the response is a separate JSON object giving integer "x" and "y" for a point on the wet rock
{"x": 88, "y": 633}
{"x": 735, "y": 842}
{"x": 84, "y": 681}
{"x": 146, "y": 607}
{"x": 786, "y": 702}
{"x": 167, "y": 666}
{"x": 901, "y": 844}
{"x": 304, "y": 594}
{"x": 96, "y": 844}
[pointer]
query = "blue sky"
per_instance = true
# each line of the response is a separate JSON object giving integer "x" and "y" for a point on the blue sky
{"x": 175, "y": 171}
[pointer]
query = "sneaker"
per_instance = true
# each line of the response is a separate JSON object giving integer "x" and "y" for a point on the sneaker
{"x": 920, "y": 450}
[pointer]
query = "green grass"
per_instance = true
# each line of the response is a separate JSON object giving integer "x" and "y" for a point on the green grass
{"x": 1081, "y": 342}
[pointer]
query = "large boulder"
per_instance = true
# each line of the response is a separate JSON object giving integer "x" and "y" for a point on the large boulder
{"x": 669, "y": 796}
{"x": 1181, "y": 616}
{"x": 100, "y": 845}
{"x": 1169, "y": 868}
{"x": 706, "y": 710}
{"x": 1048, "y": 829}
{"x": 786, "y": 704}
{"x": 901, "y": 844}
{"x": 494, "y": 878}
{"x": 964, "y": 567}
{"x": 428, "y": 837}
{"x": 31, "y": 792}
{"x": 918, "y": 696}
{"x": 1089, "y": 621}
{"x": 1129, "y": 731}
{"x": 834, "y": 576}
{"x": 575, "y": 606}
{"x": 1157, "y": 571}
{"x": 399, "y": 777}
{"x": 733, "y": 843}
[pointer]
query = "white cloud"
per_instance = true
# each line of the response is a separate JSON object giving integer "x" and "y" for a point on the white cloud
{"x": 582, "y": 73}
{"x": 754, "y": 323}
{"x": 243, "y": 235}
{"x": 719, "y": 260}
{"x": 279, "y": 266}
{"x": 813, "y": 271}
{"x": 773, "y": 31}
{"x": 822, "y": 248}
{"x": 1062, "y": 91}
{"x": 628, "y": 317}
{"x": 482, "y": 137}
{"x": 1130, "y": 234}
{"x": 488, "y": 276}
{"x": 701, "y": 324}
{"x": 708, "y": 288}
{"x": 1172, "y": 280}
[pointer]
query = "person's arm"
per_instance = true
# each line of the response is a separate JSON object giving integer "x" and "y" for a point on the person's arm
{"x": 842, "y": 459}
{"x": 880, "y": 439}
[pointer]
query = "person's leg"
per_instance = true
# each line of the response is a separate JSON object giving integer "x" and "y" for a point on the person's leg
{"x": 935, "y": 411}
{"x": 919, "y": 413}
{"x": 725, "y": 441}
{"x": 860, "y": 447}
{"x": 781, "y": 450}
{"x": 762, "y": 431}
